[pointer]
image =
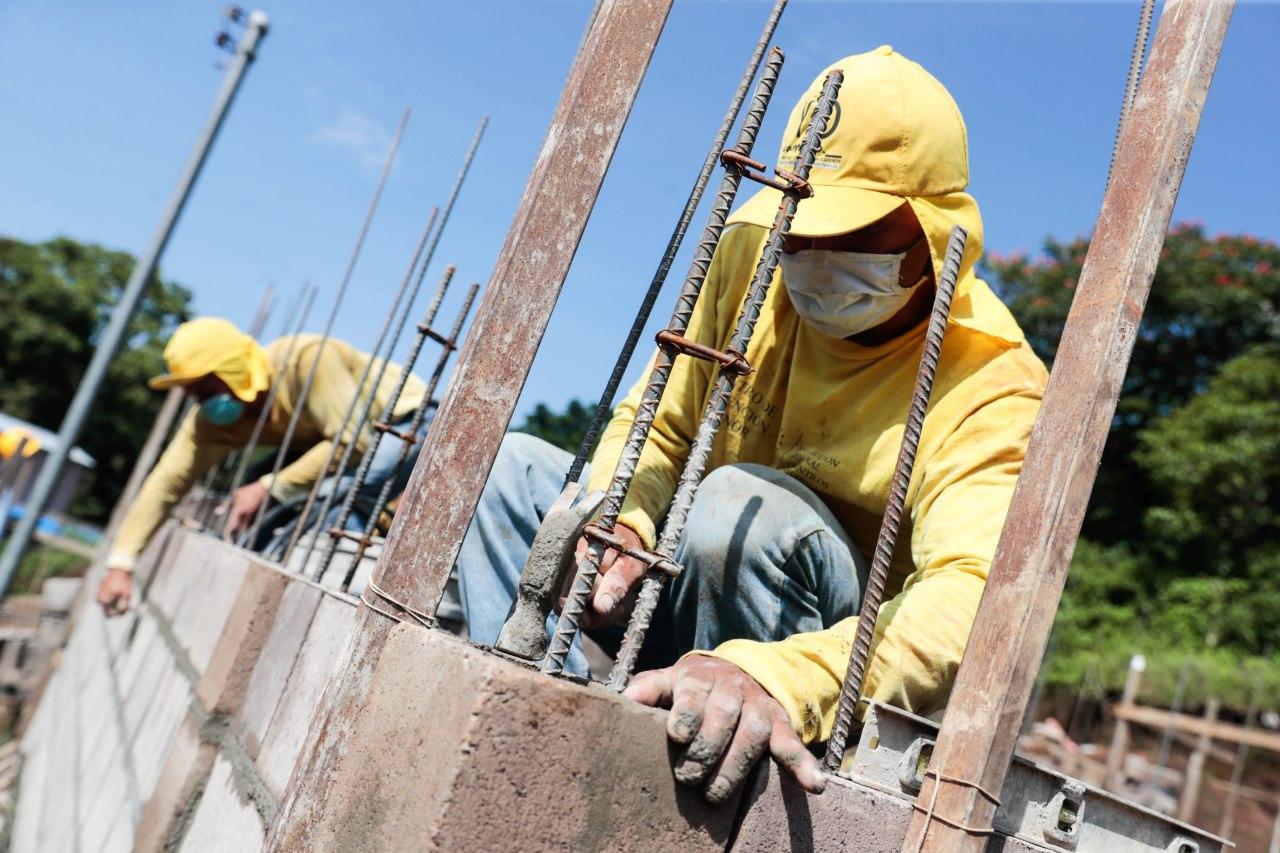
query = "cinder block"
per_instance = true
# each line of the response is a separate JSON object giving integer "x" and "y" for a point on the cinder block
{"x": 777, "y": 809}
{"x": 151, "y": 743}
{"x": 457, "y": 749}
{"x": 216, "y": 573}
{"x": 178, "y": 789}
{"x": 271, "y": 672}
{"x": 315, "y": 663}
{"x": 224, "y": 821}
{"x": 253, "y": 608}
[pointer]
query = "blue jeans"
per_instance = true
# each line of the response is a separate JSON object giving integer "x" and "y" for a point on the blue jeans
{"x": 763, "y": 557}
{"x": 381, "y": 469}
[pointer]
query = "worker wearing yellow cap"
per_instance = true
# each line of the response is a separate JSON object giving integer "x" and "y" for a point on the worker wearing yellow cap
{"x": 776, "y": 548}
{"x": 229, "y": 374}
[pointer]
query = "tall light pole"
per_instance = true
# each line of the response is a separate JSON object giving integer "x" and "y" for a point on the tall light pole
{"x": 73, "y": 422}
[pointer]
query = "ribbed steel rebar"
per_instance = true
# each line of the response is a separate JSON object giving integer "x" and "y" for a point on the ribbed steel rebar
{"x": 408, "y": 285}
{"x": 589, "y": 566}
{"x": 300, "y": 311}
{"x": 605, "y": 404}
{"x": 700, "y": 451}
{"x": 419, "y": 415}
{"x": 1135, "y": 72}
{"x": 454, "y": 192}
{"x": 375, "y": 437}
{"x": 305, "y": 391}
{"x": 851, "y": 687}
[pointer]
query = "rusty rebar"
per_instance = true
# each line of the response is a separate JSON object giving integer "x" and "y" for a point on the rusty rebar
{"x": 605, "y": 405}
{"x": 305, "y": 391}
{"x": 695, "y": 464}
{"x": 1131, "y": 79}
{"x": 448, "y": 346}
{"x": 589, "y": 566}
{"x": 891, "y": 521}
{"x": 375, "y": 437}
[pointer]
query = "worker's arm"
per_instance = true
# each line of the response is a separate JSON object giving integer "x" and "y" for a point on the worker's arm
{"x": 187, "y": 458}
{"x": 957, "y": 514}
{"x": 327, "y": 404}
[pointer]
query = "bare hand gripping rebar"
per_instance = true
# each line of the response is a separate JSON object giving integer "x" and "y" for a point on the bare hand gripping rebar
{"x": 588, "y": 568}
{"x": 891, "y": 522}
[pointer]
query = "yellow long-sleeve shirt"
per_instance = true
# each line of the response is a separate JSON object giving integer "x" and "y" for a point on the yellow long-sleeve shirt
{"x": 830, "y": 413}
{"x": 198, "y": 445}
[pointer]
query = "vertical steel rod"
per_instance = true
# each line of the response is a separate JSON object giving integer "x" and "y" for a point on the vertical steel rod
{"x": 588, "y": 567}
{"x": 891, "y": 522}
{"x": 1131, "y": 79}
{"x": 117, "y": 327}
{"x": 1024, "y": 584}
{"x": 305, "y": 391}
{"x": 473, "y": 417}
{"x": 605, "y": 405}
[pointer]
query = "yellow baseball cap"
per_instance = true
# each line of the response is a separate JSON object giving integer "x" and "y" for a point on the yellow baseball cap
{"x": 896, "y": 133}
{"x": 212, "y": 345}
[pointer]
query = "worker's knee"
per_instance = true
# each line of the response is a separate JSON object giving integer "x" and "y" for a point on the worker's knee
{"x": 736, "y": 515}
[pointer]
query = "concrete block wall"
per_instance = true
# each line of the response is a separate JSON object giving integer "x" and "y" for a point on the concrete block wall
{"x": 176, "y": 726}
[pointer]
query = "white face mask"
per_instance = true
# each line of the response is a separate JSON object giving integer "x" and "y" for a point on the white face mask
{"x": 844, "y": 293}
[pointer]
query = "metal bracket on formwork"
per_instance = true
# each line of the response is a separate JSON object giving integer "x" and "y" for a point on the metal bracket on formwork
{"x": 1038, "y": 806}
{"x": 551, "y": 559}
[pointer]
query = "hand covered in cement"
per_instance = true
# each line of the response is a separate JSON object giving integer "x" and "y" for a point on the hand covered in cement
{"x": 115, "y": 592}
{"x": 619, "y": 576}
{"x": 726, "y": 722}
{"x": 244, "y": 506}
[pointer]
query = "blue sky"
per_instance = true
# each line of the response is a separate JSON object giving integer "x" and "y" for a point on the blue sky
{"x": 102, "y": 101}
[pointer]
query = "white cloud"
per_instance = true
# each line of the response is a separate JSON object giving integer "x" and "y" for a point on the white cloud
{"x": 365, "y": 137}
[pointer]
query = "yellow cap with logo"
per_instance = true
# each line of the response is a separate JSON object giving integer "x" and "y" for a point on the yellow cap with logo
{"x": 896, "y": 133}
{"x": 212, "y": 345}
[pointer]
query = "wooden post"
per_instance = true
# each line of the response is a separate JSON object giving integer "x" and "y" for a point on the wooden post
{"x": 1120, "y": 737}
{"x": 1195, "y": 766}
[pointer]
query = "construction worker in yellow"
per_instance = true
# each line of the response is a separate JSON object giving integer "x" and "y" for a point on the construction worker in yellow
{"x": 757, "y": 629}
{"x": 229, "y": 374}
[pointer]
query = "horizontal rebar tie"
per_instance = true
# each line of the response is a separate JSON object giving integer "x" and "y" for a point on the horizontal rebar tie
{"x": 652, "y": 561}
{"x": 406, "y": 437}
{"x": 753, "y": 170}
{"x": 363, "y": 541}
{"x": 447, "y": 343}
{"x": 731, "y": 361}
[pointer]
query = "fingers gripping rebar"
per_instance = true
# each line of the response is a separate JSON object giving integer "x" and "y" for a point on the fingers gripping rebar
{"x": 851, "y": 688}
{"x": 605, "y": 404}
{"x": 589, "y": 566}
{"x": 797, "y": 188}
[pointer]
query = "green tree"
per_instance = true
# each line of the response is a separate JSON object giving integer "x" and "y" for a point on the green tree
{"x": 563, "y": 429}
{"x": 55, "y": 300}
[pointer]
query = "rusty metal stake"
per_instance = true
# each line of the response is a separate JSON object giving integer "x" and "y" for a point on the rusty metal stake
{"x": 588, "y": 567}
{"x": 891, "y": 522}
{"x": 605, "y": 405}
{"x": 305, "y": 391}
{"x": 979, "y": 730}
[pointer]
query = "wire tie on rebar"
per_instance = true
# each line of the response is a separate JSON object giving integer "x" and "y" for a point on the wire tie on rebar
{"x": 753, "y": 170}
{"x": 339, "y": 533}
{"x": 733, "y": 362}
{"x": 431, "y": 333}
{"x": 407, "y": 437}
{"x": 423, "y": 619}
{"x": 930, "y": 814}
{"x": 652, "y": 561}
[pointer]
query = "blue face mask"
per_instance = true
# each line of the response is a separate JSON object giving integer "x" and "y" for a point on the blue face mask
{"x": 222, "y": 410}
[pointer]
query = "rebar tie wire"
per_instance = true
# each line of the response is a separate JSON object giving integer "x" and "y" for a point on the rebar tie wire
{"x": 891, "y": 522}
{"x": 605, "y": 405}
{"x": 292, "y": 427}
{"x": 454, "y": 192}
{"x": 408, "y": 438}
{"x": 795, "y": 187}
{"x": 366, "y": 458}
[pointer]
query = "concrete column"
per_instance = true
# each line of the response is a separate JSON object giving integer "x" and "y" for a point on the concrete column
{"x": 1120, "y": 737}
{"x": 1195, "y": 767}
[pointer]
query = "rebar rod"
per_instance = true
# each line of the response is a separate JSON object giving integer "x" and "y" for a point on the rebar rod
{"x": 375, "y": 438}
{"x": 305, "y": 391}
{"x": 605, "y": 405}
{"x": 300, "y": 313}
{"x": 1131, "y": 79}
{"x": 266, "y": 304}
{"x": 449, "y": 345}
{"x": 345, "y": 426}
{"x": 700, "y": 452}
{"x": 891, "y": 522}
{"x": 588, "y": 567}
{"x": 454, "y": 192}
